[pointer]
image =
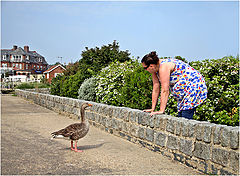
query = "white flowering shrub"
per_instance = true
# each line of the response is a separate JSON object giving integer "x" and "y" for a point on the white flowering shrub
{"x": 110, "y": 80}
{"x": 222, "y": 80}
{"x": 87, "y": 90}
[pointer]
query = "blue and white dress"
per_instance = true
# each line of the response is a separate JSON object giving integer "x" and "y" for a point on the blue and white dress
{"x": 187, "y": 85}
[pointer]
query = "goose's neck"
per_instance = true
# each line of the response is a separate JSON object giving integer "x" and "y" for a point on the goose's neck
{"x": 83, "y": 115}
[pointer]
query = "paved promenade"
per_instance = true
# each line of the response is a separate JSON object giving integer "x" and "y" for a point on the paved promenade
{"x": 26, "y": 148}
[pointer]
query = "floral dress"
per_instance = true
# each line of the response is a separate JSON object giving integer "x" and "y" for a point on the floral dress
{"x": 187, "y": 85}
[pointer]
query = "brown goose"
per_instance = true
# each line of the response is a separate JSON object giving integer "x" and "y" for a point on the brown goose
{"x": 75, "y": 131}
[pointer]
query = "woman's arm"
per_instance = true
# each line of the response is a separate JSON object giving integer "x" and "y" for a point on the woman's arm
{"x": 164, "y": 76}
{"x": 155, "y": 91}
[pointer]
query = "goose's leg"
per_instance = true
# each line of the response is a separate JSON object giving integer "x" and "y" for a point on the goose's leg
{"x": 76, "y": 150}
{"x": 72, "y": 145}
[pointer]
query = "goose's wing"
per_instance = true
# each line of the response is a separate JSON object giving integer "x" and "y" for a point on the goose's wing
{"x": 68, "y": 131}
{"x": 80, "y": 132}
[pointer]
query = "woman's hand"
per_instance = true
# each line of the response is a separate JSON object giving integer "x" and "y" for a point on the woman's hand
{"x": 157, "y": 112}
{"x": 153, "y": 113}
{"x": 148, "y": 110}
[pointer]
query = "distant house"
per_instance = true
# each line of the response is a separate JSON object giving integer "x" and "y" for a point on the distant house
{"x": 53, "y": 71}
{"x": 18, "y": 61}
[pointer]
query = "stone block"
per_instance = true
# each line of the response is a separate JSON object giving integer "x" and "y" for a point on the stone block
{"x": 172, "y": 143}
{"x": 132, "y": 116}
{"x": 108, "y": 122}
{"x": 185, "y": 127}
{"x": 171, "y": 125}
{"x": 220, "y": 156}
{"x": 234, "y": 138}
{"x": 160, "y": 139}
{"x": 141, "y": 132}
{"x": 207, "y": 132}
{"x": 120, "y": 124}
{"x": 199, "y": 129}
{"x": 149, "y": 134}
{"x": 103, "y": 121}
{"x": 134, "y": 130}
{"x": 115, "y": 124}
{"x": 151, "y": 121}
{"x": 163, "y": 122}
{"x": 125, "y": 127}
{"x": 97, "y": 118}
{"x": 191, "y": 129}
{"x": 142, "y": 118}
{"x": 126, "y": 114}
{"x": 217, "y": 135}
{"x": 186, "y": 146}
{"x": 225, "y": 136}
{"x": 234, "y": 160}
{"x": 202, "y": 150}
{"x": 178, "y": 127}
{"x": 116, "y": 112}
{"x": 157, "y": 121}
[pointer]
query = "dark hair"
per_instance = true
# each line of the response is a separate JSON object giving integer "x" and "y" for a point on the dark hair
{"x": 150, "y": 58}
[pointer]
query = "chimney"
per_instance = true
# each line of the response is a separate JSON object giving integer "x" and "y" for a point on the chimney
{"x": 26, "y": 48}
{"x": 14, "y": 47}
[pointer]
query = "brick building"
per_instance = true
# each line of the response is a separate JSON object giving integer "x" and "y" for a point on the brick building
{"x": 53, "y": 71}
{"x": 18, "y": 61}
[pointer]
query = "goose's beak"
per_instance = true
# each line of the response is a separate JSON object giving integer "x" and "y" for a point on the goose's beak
{"x": 89, "y": 104}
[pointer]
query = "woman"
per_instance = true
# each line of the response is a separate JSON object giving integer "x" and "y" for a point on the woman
{"x": 187, "y": 84}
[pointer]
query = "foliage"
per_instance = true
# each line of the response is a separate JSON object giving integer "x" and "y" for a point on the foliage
{"x": 130, "y": 86}
{"x": 71, "y": 69}
{"x": 222, "y": 79}
{"x": 32, "y": 86}
{"x": 136, "y": 92}
{"x": 87, "y": 90}
{"x": 92, "y": 61}
{"x": 110, "y": 80}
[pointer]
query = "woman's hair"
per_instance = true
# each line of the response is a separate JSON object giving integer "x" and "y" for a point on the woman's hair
{"x": 150, "y": 58}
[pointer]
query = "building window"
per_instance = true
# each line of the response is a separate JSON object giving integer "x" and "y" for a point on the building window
{"x": 20, "y": 66}
{"x": 41, "y": 67}
{"x": 17, "y": 65}
{"x": 4, "y": 65}
{"x": 38, "y": 67}
{"x": 4, "y": 57}
{"x": 26, "y": 66}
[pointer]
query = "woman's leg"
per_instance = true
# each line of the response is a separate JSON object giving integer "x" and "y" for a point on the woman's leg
{"x": 187, "y": 113}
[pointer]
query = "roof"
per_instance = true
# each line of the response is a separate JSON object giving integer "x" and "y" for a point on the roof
{"x": 53, "y": 68}
{"x": 33, "y": 55}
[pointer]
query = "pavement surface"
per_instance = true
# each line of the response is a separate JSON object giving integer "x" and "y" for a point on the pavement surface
{"x": 26, "y": 148}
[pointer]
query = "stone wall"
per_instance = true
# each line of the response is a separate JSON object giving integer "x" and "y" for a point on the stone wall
{"x": 207, "y": 147}
{"x": 40, "y": 90}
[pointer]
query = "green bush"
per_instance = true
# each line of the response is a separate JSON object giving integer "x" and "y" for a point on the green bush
{"x": 222, "y": 79}
{"x": 92, "y": 61}
{"x": 130, "y": 86}
{"x": 136, "y": 90}
{"x": 110, "y": 80}
{"x": 87, "y": 90}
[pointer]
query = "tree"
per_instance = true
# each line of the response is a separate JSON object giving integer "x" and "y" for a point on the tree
{"x": 92, "y": 61}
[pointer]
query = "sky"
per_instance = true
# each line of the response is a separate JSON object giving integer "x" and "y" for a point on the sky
{"x": 60, "y": 30}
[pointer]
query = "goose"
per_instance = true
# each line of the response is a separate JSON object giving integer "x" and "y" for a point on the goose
{"x": 75, "y": 131}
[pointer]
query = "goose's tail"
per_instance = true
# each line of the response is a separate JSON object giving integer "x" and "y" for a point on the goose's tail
{"x": 56, "y": 135}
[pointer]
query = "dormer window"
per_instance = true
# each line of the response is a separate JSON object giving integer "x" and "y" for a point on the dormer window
{"x": 4, "y": 57}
